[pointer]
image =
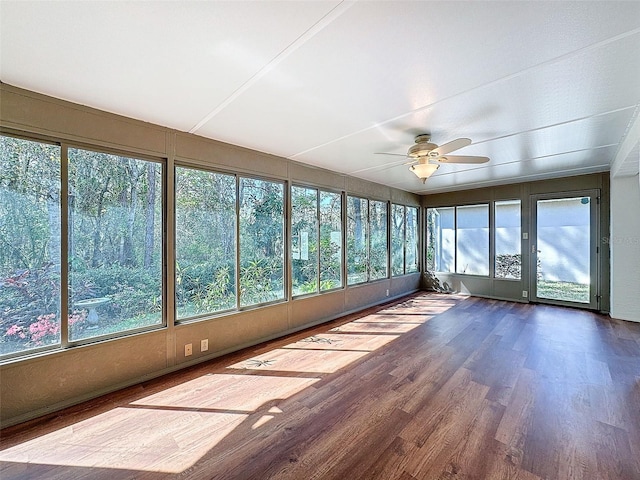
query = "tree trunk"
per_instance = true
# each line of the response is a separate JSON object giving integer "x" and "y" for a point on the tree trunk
{"x": 95, "y": 257}
{"x": 357, "y": 228}
{"x": 53, "y": 210}
{"x": 150, "y": 216}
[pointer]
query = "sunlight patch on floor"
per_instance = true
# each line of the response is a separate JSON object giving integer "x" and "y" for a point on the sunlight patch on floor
{"x": 339, "y": 341}
{"x": 301, "y": 361}
{"x": 237, "y": 393}
{"x": 135, "y": 439}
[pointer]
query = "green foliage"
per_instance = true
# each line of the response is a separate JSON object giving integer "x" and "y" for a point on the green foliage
{"x": 261, "y": 241}
{"x": 29, "y": 308}
{"x": 568, "y": 291}
{"x": 261, "y": 281}
{"x": 508, "y": 265}
{"x": 204, "y": 288}
{"x": 330, "y": 263}
{"x": 131, "y": 290}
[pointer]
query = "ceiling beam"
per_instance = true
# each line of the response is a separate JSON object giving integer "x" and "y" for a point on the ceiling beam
{"x": 627, "y": 160}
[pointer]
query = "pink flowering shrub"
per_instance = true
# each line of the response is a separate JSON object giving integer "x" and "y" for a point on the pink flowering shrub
{"x": 44, "y": 327}
{"x": 15, "y": 330}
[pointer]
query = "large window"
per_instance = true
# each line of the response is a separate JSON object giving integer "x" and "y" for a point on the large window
{"x": 472, "y": 239}
{"x": 205, "y": 242}
{"x": 261, "y": 241}
{"x": 115, "y": 244}
{"x": 316, "y": 253}
{"x": 508, "y": 261}
{"x": 357, "y": 240}
{"x": 29, "y": 245}
{"x": 379, "y": 240}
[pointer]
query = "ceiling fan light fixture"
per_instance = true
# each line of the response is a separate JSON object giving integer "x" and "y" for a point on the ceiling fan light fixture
{"x": 424, "y": 170}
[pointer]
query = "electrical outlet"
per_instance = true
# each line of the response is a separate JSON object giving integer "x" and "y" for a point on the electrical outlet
{"x": 525, "y": 294}
{"x": 188, "y": 349}
{"x": 204, "y": 345}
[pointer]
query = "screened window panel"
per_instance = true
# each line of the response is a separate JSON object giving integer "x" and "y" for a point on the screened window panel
{"x": 472, "y": 239}
{"x": 397, "y": 239}
{"x": 330, "y": 240}
{"x": 411, "y": 243}
{"x": 441, "y": 239}
{"x": 205, "y": 242}
{"x": 30, "y": 256}
{"x": 261, "y": 241}
{"x": 357, "y": 240}
{"x": 115, "y": 244}
{"x": 378, "y": 254}
{"x": 304, "y": 240}
{"x": 508, "y": 260}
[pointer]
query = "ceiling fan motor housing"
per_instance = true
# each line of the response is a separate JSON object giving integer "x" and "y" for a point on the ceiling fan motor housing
{"x": 422, "y": 147}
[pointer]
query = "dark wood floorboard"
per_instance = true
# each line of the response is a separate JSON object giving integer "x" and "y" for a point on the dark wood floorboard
{"x": 431, "y": 387}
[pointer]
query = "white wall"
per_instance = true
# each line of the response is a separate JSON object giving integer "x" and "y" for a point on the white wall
{"x": 625, "y": 248}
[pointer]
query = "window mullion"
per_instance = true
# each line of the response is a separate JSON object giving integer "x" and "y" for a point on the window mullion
{"x": 64, "y": 246}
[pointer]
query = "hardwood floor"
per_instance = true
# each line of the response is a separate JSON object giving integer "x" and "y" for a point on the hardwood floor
{"x": 432, "y": 387}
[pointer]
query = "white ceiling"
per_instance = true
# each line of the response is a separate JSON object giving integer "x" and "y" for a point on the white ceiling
{"x": 545, "y": 89}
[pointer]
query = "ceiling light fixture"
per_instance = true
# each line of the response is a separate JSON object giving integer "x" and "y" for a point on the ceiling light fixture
{"x": 424, "y": 170}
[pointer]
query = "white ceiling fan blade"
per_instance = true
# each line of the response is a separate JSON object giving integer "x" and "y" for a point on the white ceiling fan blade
{"x": 394, "y": 154}
{"x": 451, "y": 146}
{"x": 462, "y": 159}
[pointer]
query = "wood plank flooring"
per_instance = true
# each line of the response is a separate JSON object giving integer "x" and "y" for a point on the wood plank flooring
{"x": 431, "y": 387}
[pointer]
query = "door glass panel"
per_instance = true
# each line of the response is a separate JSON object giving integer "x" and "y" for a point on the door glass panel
{"x": 563, "y": 249}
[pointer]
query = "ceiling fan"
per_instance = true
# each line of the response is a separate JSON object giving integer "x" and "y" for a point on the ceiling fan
{"x": 426, "y": 157}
